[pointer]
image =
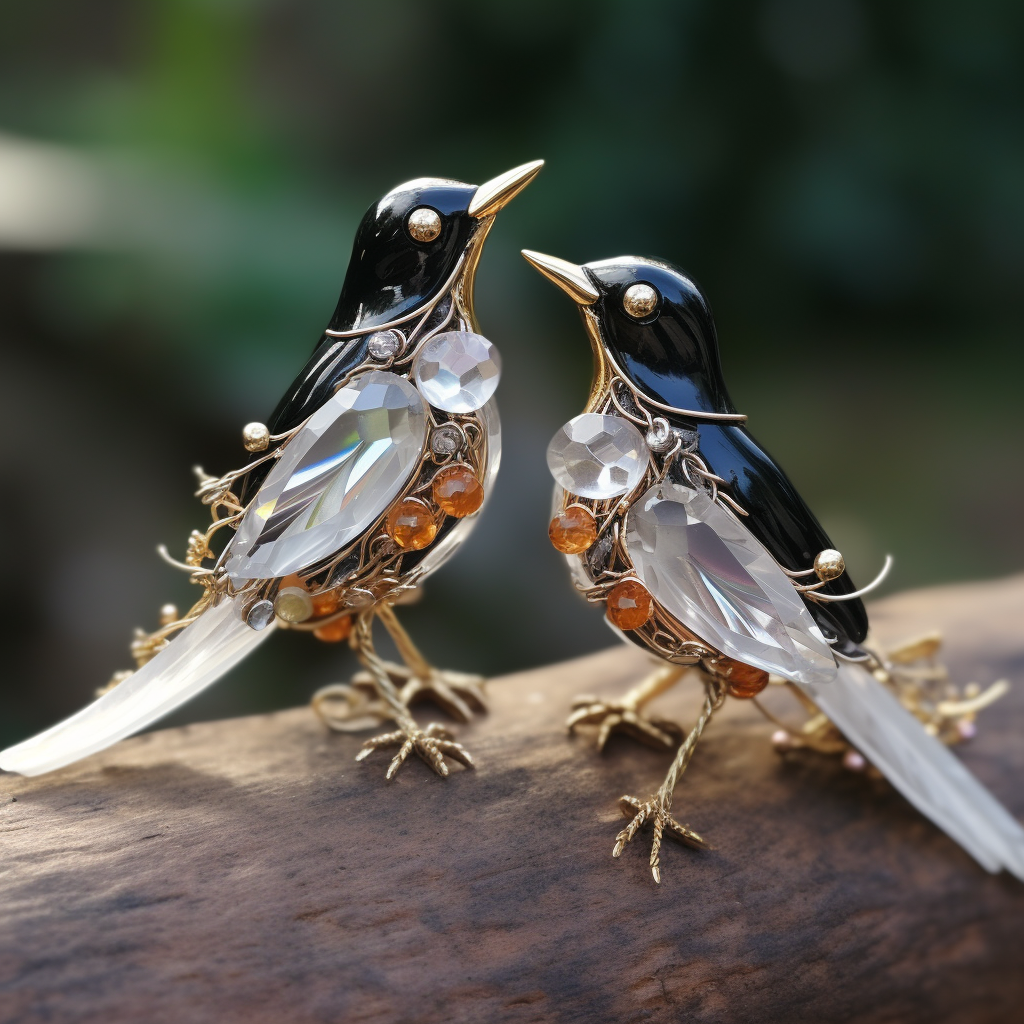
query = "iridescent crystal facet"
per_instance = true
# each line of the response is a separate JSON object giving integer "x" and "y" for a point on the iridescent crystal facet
{"x": 333, "y": 479}
{"x": 598, "y": 456}
{"x": 457, "y": 371}
{"x": 708, "y": 571}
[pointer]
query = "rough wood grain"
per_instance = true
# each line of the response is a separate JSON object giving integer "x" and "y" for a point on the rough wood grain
{"x": 249, "y": 870}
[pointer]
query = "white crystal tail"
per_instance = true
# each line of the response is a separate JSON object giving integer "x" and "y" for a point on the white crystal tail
{"x": 193, "y": 660}
{"x": 921, "y": 768}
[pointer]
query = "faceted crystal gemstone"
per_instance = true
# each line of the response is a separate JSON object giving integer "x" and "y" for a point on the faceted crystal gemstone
{"x": 411, "y": 524}
{"x": 598, "y": 456}
{"x": 573, "y": 530}
{"x": 334, "y": 477}
{"x": 709, "y": 572}
{"x": 457, "y": 371}
{"x": 384, "y": 345}
{"x": 629, "y": 604}
{"x": 260, "y": 615}
{"x": 457, "y": 492}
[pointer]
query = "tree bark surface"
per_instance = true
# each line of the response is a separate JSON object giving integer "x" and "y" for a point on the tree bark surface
{"x": 249, "y": 870}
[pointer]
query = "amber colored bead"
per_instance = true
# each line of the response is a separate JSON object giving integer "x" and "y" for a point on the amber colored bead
{"x": 457, "y": 491}
{"x": 332, "y": 632}
{"x": 629, "y": 605}
{"x": 325, "y": 603}
{"x": 743, "y": 681}
{"x": 411, "y": 524}
{"x": 572, "y": 531}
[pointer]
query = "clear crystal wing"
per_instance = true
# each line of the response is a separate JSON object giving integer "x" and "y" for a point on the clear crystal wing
{"x": 921, "y": 768}
{"x": 193, "y": 660}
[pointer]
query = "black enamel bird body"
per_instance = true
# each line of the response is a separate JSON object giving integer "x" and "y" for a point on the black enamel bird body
{"x": 365, "y": 479}
{"x": 674, "y": 518}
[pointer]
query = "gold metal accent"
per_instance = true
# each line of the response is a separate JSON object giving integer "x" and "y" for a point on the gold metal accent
{"x": 829, "y": 565}
{"x": 168, "y": 614}
{"x": 639, "y": 300}
{"x": 424, "y": 224}
{"x": 919, "y": 681}
{"x": 255, "y": 437}
{"x": 570, "y": 277}
{"x": 626, "y": 715}
{"x": 492, "y": 195}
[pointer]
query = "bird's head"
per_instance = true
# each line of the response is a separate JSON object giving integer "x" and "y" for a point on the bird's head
{"x": 651, "y": 323}
{"x": 419, "y": 238}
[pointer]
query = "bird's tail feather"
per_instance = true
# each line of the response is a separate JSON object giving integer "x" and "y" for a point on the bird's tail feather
{"x": 921, "y": 767}
{"x": 193, "y": 660}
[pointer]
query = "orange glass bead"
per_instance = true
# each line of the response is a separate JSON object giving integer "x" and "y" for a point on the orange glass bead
{"x": 457, "y": 491}
{"x": 629, "y": 605}
{"x": 325, "y": 603}
{"x": 572, "y": 531}
{"x": 338, "y": 629}
{"x": 742, "y": 681}
{"x": 411, "y": 524}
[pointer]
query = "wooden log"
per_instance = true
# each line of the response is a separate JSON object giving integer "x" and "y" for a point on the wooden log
{"x": 250, "y": 870}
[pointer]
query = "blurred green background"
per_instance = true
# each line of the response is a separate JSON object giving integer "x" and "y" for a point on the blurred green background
{"x": 180, "y": 182}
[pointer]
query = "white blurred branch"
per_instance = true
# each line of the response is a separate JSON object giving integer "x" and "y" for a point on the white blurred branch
{"x": 50, "y": 197}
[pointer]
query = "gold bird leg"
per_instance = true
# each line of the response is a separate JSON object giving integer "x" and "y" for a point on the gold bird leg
{"x": 430, "y": 744}
{"x": 625, "y": 715}
{"x": 458, "y": 694}
{"x": 658, "y": 808}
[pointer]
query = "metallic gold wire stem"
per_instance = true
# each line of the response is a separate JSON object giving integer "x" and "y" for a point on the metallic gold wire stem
{"x": 409, "y": 652}
{"x": 711, "y": 703}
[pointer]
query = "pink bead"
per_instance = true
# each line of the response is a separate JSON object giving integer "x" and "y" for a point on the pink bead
{"x": 853, "y": 760}
{"x": 966, "y": 729}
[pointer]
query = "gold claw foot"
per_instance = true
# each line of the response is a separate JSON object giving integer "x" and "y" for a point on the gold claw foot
{"x": 622, "y": 716}
{"x": 625, "y": 715}
{"x": 657, "y": 811}
{"x": 431, "y": 744}
{"x": 457, "y": 694}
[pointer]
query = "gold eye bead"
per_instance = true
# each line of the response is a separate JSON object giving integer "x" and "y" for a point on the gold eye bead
{"x": 255, "y": 437}
{"x": 424, "y": 224}
{"x": 639, "y": 301}
{"x": 829, "y": 564}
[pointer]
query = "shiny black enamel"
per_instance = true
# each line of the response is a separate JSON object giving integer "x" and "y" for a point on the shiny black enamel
{"x": 390, "y": 275}
{"x": 672, "y": 356}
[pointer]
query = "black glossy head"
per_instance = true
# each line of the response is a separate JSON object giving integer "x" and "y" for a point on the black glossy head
{"x": 409, "y": 244}
{"x": 392, "y": 273}
{"x": 671, "y": 352}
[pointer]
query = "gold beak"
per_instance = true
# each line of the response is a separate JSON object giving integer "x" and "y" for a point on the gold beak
{"x": 492, "y": 195}
{"x": 568, "y": 276}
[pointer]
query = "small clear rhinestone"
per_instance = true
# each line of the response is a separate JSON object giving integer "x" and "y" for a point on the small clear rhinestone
{"x": 260, "y": 615}
{"x": 598, "y": 456}
{"x": 446, "y": 440}
{"x": 457, "y": 371}
{"x": 384, "y": 345}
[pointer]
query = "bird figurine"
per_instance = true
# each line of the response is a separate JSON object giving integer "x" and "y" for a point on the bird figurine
{"x": 367, "y": 477}
{"x": 702, "y": 552}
